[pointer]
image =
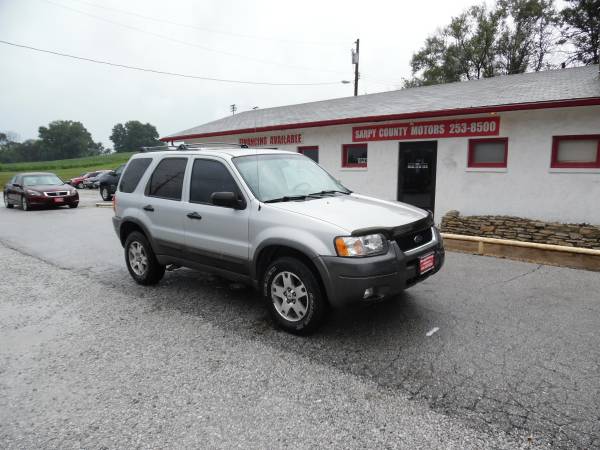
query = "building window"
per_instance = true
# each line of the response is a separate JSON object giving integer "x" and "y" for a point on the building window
{"x": 578, "y": 152}
{"x": 311, "y": 151}
{"x": 488, "y": 152}
{"x": 354, "y": 155}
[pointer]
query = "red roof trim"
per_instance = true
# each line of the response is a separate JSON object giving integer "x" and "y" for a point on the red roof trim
{"x": 384, "y": 118}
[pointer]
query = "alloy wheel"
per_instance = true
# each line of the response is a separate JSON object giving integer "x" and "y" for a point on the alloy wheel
{"x": 138, "y": 259}
{"x": 289, "y": 296}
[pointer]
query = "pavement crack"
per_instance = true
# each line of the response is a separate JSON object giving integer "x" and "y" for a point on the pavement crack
{"x": 20, "y": 251}
{"x": 529, "y": 272}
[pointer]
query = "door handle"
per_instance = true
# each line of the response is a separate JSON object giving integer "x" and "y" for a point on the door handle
{"x": 148, "y": 208}
{"x": 194, "y": 215}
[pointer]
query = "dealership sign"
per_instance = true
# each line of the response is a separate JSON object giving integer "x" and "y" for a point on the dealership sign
{"x": 480, "y": 126}
{"x": 276, "y": 139}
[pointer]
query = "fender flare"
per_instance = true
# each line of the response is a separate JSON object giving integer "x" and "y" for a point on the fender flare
{"x": 295, "y": 245}
{"x": 138, "y": 223}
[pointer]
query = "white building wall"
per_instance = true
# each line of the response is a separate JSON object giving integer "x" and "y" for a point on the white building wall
{"x": 528, "y": 187}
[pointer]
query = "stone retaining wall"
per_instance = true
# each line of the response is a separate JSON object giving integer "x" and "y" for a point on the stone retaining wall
{"x": 518, "y": 229}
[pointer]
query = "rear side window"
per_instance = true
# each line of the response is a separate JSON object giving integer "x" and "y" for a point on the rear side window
{"x": 167, "y": 179}
{"x": 208, "y": 177}
{"x": 133, "y": 174}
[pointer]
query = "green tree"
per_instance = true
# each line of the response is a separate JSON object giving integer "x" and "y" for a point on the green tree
{"x": 10, "y": 151}
{"x": 132, "y": 135}
{"x": 463, "y": 50}
{"x": 512, "y": 37}
{"x": 64, "y": 139}
{"x": 581, "y": 28}
{"x": 526, "y": 34}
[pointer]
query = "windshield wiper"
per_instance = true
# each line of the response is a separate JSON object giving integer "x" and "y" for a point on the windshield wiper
{"x": 287, "y": 198}
{"x": 331, "y": 192}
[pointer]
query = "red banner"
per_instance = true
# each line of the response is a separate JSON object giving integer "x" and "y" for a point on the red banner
{"x": 480, "y": 126}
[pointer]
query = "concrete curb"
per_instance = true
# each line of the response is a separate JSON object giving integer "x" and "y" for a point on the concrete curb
{"x": 553, "y": 255}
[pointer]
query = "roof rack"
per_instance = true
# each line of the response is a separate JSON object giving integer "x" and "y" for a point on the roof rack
{"x": 184, "y": 147}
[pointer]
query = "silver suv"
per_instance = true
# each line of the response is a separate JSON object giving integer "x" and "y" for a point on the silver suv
{"x": 272, "y": 219}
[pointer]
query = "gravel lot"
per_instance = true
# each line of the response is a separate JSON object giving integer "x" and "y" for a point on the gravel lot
{"x": 89, "y": 359}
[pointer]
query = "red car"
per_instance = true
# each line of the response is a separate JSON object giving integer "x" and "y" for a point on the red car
{"x": 39, "y": 189}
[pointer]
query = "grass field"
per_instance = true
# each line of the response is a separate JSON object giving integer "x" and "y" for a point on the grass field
{"x": 64, "y": 168}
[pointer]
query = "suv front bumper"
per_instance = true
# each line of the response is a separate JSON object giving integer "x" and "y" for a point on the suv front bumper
{"x": 347, "y": 279}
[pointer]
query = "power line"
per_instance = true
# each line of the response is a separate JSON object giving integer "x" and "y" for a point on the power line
{"x": 192, "y": 44}
{"x": 162, "y": 72}
{"x": 209, "y": 30}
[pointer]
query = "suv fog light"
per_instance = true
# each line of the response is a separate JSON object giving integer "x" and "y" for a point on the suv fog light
{"x": 368, "y": 293}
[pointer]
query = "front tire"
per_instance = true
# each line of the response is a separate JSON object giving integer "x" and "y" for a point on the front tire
{"x": 73, "y": 205}
{"x": 294, "y": 296}
{"x": 24, "y": 203}
{"x": 8, "y": 204}
{"x": 141, "y": 262}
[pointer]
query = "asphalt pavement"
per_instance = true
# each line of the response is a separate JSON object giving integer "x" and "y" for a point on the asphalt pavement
{"x": 488, "y": 353}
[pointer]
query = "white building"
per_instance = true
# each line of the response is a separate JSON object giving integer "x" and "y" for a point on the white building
{"x": 524, "y": 145}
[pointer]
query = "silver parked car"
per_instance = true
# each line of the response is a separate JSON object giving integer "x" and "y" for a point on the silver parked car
{"x": 275, "y": 220}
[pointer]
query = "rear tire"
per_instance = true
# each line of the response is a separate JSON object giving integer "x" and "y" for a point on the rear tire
{"x": 73, "y": 205}
{"x": 141, "y": 261}
{"x": 8, "y": 204}
{"x": 104, "y": 194}
{"x": 294, "y": 296}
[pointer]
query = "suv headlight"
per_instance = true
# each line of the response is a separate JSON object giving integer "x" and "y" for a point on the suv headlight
{"x": 359, "y": 246}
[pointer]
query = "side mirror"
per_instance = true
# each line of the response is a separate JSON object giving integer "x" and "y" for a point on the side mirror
{"x": 17, "y": 185}
{"x": 226, "y": 199}
{"x": 113, "y": 173}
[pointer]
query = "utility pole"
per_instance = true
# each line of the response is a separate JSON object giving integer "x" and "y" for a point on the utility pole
{"x": 355, "y": 57}
{"x": 233, "y": 108}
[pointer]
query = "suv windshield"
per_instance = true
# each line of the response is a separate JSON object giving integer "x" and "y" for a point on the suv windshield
{"x": 38, "y": 180}
{"x": 285, "y": 177}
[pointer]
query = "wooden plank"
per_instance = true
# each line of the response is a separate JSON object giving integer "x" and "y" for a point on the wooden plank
{"x": 554, "y": 255}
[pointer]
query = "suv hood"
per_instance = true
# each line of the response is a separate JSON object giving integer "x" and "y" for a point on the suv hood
{"x": 353, "y": 212}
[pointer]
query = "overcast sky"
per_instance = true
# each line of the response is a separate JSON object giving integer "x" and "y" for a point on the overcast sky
{"x": 259, "y": 40}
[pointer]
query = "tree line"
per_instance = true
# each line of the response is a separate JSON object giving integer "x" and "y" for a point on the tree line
{"x": 66, "y": 139}
{"x": 513, "y": 36}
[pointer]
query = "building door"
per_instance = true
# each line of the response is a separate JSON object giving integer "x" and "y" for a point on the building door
{"x": 416, "y": 173}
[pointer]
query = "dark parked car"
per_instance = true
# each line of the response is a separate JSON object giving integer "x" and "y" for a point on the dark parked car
{"x": 93, "y": 181}
{"x": 39, "y": 189}
{"x": 108, "y": 183}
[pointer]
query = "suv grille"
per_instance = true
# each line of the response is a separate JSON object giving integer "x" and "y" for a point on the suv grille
{"x": 414, "y": 239}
